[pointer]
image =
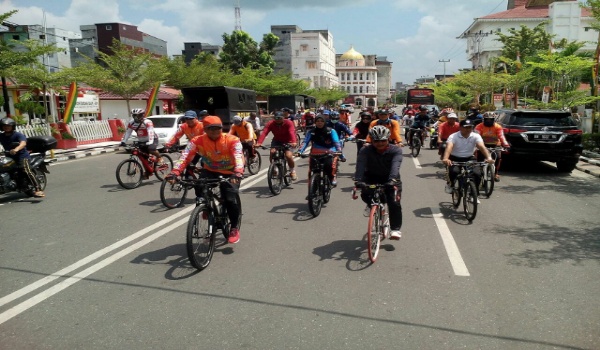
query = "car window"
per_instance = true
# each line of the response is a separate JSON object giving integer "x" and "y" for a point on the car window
{"x": 163, "y": 122}
{"x": 543, "y": 119}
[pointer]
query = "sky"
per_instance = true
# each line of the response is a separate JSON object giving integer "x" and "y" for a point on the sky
{"x": 413, "y": 34}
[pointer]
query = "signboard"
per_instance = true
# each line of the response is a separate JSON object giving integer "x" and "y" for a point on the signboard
{"x": 87, "y": 103}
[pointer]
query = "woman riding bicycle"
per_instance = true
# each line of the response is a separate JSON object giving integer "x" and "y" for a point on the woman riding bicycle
{"x": 379, "y": 163}
{"x": 323, "y": 140}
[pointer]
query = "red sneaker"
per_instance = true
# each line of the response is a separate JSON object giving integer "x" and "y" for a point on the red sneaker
{"x": 234, "y": 235}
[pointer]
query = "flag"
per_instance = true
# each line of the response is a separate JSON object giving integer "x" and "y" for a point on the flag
{"x": 152, "y": 100}
{"x": 71, "y": 99}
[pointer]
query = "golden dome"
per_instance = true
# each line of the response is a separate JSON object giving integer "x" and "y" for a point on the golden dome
{"x": 352, "y": 55}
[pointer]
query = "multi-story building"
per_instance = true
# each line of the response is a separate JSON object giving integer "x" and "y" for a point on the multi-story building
{"x": 565, "y": 19}
{"x": 191, "y": 50}
{"x": 384, "y": 80}
{"x": 308, "y": 54}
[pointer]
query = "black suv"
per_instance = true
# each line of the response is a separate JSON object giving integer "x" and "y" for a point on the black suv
{"x": 547, "y": 135}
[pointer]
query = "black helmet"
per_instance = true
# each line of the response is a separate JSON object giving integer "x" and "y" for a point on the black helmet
{"x": 8, "y": 121}
{"x": 423, "y": 108}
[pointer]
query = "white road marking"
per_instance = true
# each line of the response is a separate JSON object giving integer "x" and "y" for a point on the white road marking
{"x": 417, "y": 164}
{"x": 456, "y": 260}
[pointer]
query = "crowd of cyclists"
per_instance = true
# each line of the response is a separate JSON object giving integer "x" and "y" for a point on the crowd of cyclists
{"x": 378, "y": 145}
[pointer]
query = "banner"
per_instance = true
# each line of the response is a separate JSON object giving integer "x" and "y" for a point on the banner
{"x": 87, "y": 103}
{"x": 152, "y": 100}
{"x": 71, "y": 100}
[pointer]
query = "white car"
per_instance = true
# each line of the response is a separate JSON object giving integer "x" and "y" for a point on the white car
{"x": 349, "y": 107}
{"x": 165, "y": 126}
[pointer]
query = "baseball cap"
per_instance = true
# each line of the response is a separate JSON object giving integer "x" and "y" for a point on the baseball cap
{"x": 466, "y": 123}
{"x": 212, "y": 120}
{"x": 452, "y": 115}
{"x": 190, "y": 115}
{"x": 382, "y": 111}
{"x": 326, "y": 112}
{"x": 278, "y": 115}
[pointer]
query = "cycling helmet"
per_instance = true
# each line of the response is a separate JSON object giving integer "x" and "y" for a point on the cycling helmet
{"x": 423, "y": 108}
{"x": 138, "y": 114}
{"x": 489, "y": 115}
{"x": 365, "y": 115}
{"x": 203, "y": 113}
{"x": 334, "y": 115}
{"x": 236, "y": 120}
{"x": 379, "y": 132}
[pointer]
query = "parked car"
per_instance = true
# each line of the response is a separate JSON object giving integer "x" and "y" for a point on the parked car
{"x": 349, "y": 106}
{"x": 548, "y": 135}
{"x": 165, "y": 126}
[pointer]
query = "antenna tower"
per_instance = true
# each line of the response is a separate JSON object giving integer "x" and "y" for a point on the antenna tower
{"x": 238, "y": 16}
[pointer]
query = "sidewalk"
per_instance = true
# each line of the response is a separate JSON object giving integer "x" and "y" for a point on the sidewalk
{"x": 589, "y": 163}
{"x": 81, "y": 151}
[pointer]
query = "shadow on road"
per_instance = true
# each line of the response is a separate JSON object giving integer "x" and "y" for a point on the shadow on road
{"x": 354, "y": 252}
{"x": 299, "y": 210}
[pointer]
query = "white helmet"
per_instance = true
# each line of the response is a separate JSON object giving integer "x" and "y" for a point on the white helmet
{"x": 379, "y": 132}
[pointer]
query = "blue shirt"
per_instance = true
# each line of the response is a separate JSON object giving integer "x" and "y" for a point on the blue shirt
{"x": 323, "y": 139}
{"x": 15, "y": 137}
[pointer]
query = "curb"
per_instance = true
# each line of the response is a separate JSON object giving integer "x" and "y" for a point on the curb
{"x": 70, "y": 155}
{"x": 595, "y": 162}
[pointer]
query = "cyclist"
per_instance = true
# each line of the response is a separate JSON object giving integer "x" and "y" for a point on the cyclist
{"x": 203, "y": 113}
{"x": 324, "y": 139}
{"x": 460, "y": 148}
{"x": 245, "y": 132}
{"x": 144, "y": 129}
{"x": 474, "y": 115}
{"x": 255, "y": 122}
{"x": 10, "y": 136}
{"x": 383, "y": 118}
{"x": 191, "y": 128}
{"x": 493, "y": 136}
{"x": 361, "y": 130}
{"x": 420, "y": 122}
{"x": 222, "y": 156}
{"x": 308, "y": 120}
{"x": 345, "y": 116}
{"x": 445, "y": 130}
{"x": 283, "y": 133}
{"x": 341, "y": 129}
{"x": 288, "y": 113}
{"x": 379, "y": 163}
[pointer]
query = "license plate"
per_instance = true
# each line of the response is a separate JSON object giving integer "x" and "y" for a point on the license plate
{"x": 542, "y": 137}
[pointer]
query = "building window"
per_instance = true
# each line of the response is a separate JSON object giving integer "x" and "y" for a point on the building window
{"x": 348, "y": 76}
{"x": 311, "y": 64}
{"x": 297, "y": 53}
{"x": 16, "y": 37}
{"x": 304, "y": 47}
{"x": 498, "y": 30}
{"x": 342, "y": 77}
{"x": 361, "y": 76}
{"x": 354, "y": 89}
{"x": 355, "y": 76}
{"x": 368, "y": 75}
{"x": 360, "y": 89}
{"x": 108, "y": 27}
{"x": 367, "y": 89}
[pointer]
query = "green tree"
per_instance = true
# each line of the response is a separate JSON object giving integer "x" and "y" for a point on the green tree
{"x": 328, "y": 97}
{"x": 241, "y": 51}
{"x": 16, "y": 54}
{"x": 124, "y": 72}
{"x": 204, "y": 70}
{"x": 479, "y": 82}
{"x": 449, "y": 94}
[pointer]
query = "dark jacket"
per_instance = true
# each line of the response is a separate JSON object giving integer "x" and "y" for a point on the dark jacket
{"x": 375, "y": 168}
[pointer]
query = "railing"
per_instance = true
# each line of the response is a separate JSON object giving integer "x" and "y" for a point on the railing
{"x": 34, "y": 130}
{"x": 86, "y": 131}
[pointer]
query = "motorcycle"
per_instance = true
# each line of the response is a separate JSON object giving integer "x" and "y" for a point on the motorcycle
{"x": 12, "y": 177}
{"x": 433, "y": 138}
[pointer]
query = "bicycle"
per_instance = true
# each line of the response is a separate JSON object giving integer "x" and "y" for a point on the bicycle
{"x": 489, "y": 172}
{"x": 465, "y": 188}
{"x": 379, "y": 221}
{"x": 173, "y": 194}
{"x": 252, "y": 164}
{"x": 278, "y": 174}
{"x": 416, "y": 136}
{"x": 130, "y": 172}
{"x": 209, "y": 216}
{"x": 319, "y": 186}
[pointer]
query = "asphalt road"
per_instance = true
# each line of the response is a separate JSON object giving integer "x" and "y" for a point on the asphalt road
{"x": 93, "y": 266}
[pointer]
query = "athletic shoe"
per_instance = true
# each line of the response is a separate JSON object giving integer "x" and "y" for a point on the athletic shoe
{"x": 293, "y": 175}
{"x": 497, "y": 178}
{"x": 234, "y": 235}
{"x": 448, "y": 189}
{"x": 395, "y": 234}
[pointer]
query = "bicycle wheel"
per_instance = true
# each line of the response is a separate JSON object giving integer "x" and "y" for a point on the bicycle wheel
{"x": 456, "y": 193}
{"x": 326, "y": 189}
{"x": 470, "y": 201}
{"x": 373, "y": 234}
{"x": 315, "y": 200}
{"x": 416, "y": 146}
{"x": 129, "y": 173}
{"x": 254, "y": 164}
{"x": 172, "y": 195}
{"x": 161, "y": 171}
{"x": 488, "y": 180}
{"x": 275, "y": 178}
{"x": 200, "y": 238}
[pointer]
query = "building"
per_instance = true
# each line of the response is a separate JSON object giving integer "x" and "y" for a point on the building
{"x": 358, "y": 75}
{"x": 566, "y": 19}
{"x": 308, "y": 54}
{"x": 191, "y": 50}
{"x": 384, "y": 80}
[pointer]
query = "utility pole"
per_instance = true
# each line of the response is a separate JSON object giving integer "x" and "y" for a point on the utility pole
{"x": 238, "y": 16}
{"x": 444, "y": 62}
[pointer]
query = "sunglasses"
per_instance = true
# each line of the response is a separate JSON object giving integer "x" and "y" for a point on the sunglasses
{"x": 379, "y": 141}
{"x": 214, "y": 127}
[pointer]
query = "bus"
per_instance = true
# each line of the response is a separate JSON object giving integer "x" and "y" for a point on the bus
{"x": 420, "y": 96}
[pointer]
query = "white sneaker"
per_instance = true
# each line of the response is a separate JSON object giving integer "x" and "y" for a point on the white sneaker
{"x": 478, "y": 201}
{"x": 395, "y": 234}
{"x": 448, "y": 189}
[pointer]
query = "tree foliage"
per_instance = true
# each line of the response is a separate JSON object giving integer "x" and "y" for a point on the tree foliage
{"x": 204, "y": 70}
{"x": 241, "y": 51}
{"x": 327, "y": 97}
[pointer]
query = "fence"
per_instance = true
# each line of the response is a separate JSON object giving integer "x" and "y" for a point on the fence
{"x": 34, "y": 130}
{"x": 87, "y": 131}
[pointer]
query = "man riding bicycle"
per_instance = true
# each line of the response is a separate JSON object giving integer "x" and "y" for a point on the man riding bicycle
{"x": 191, "y": 128}
{"x": 493, "y": 136}
{"x": 144, "y": 130}
{"x": 361, "y": 130}
{"x": 421, "y": 122}
{"x": 308, "y": 120}
{"x": 383, "y": 119}
{"x": 379, "y": 163}
{"x": 222, "y": 156}
{"x": 460, "y": 148}
{"x": 284, "y": 133}
{"x": 323, "y": 140}
{"x": 445, "y": 130}
{"x": 340, "y": 128}
{"x": 245, "y": 132}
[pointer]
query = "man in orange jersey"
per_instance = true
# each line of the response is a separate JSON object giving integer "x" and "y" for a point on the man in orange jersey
{"x": 383, "y": 118}
{"x": 493, "y": 136}
{"x": 191, "y": 128}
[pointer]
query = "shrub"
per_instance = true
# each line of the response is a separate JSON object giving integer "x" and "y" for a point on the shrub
{"x": 591, "y": 142}
{"x": 66, "y": 136}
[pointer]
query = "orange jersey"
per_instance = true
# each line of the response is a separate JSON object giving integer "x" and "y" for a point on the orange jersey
{"x": 445, "y": 130}
{"x": 190, "y": 133}
{"x": 244, "y": 131}
{"x": 491, "y": 135}
{"x": 391, "y": 124}
{"x": 223, "y": 155}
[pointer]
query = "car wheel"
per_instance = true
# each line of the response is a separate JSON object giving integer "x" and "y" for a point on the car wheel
{"x": 566, "y": 166}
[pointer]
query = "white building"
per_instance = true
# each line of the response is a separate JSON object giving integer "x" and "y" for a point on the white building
{"x": 358, "y": 76}
{"x": 308, "y": 54}
{"x": 566, "y": 19}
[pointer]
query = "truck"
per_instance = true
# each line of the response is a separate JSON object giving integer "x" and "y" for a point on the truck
{"x": 295, "y": 102}
{"x": 420, "y": 96}
{"x": 222, "y": 101}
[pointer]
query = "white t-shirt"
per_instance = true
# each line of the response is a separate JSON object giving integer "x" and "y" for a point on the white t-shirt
{"x": 464, "y": 147}
{"x": 407, "y": 119}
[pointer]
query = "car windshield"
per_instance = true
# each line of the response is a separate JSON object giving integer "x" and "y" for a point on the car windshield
{"x": 163, "y": 122}
{"x": 544, "y": 120}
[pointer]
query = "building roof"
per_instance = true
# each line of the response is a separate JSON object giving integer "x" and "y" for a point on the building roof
{"x": 164, "y": 93}
{"x": 352, "y": 55}
{"x": 528, "y": 10}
